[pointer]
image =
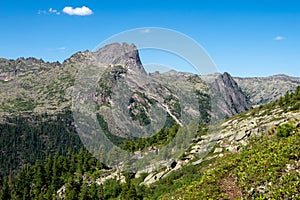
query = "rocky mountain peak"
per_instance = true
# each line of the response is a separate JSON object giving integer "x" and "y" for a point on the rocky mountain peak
{"x": 227, "y": 80}
{"x": 116, "y": 53}
{"x": 226, "y": 94}
{"x": 111, "y": 54}
{"x": 233, "y": 96}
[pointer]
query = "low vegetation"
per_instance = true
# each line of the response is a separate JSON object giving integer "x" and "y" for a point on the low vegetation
{"x": 267, "y": 168}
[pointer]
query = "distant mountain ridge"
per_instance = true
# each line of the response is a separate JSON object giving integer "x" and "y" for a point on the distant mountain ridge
{"x": 9, "y": 68}
{"x": 49, "y": 85}
{"x": 267, "y": 89}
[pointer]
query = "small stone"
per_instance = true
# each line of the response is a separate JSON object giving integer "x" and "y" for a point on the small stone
{"x": 243, "y": 142}
{"x": 197, "y": 162}
{"x": 232, "y": 149}
{"x": 234, "y": 121}
{"x": 240, "y": 136}
{"x": 218, "y": 150}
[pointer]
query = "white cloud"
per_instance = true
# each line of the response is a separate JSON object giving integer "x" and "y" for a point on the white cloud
{"x": 83, "y": 11}
{"x": 279, "y": 38}
{"x": 62, "y": 48}
{"x": 51, "y": 10}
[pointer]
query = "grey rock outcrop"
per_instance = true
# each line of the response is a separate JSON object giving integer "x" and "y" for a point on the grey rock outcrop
{"x": 262, "y": 90}
{"x": 21, "y": 66}
{"x": 227, "y": 97}
{"x": 125, "y": 54}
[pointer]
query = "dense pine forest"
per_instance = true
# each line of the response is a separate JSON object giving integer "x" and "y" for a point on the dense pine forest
{"x": 25, "y": 139}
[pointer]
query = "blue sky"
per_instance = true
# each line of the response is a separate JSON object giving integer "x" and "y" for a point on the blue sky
{"x": 244, "y": 38}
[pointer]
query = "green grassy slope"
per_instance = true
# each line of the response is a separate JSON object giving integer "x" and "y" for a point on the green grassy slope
{"x": 267, "y": 168}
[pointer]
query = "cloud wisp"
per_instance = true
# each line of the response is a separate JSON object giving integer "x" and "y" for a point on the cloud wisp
{"x": 49, "y": 12}
{"x": 83, "y": 11}
{"x": 279, "y": 38}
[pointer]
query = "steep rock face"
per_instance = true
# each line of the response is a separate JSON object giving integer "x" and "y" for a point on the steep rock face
{"x": 228, "y": 98}
{"x": 232, "y": 94}
{"x": 266, "y": 89}
{"x": 124, "y": 54}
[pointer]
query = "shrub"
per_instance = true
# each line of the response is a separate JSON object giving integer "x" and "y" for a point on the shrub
{"x": 285, "y": 130}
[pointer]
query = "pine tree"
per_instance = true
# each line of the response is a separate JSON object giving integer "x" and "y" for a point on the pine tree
{"x": 55, "y": 176}
{"x": 5, "y": 195}
{"x": 93, "y": 191}
{"x": 84, "y": 192}
{"x": 26, "y": 193}
{"x": 128, "y": 189}
{"x": 71, "y": 189}
{"x": 48, "y": 170}
{"x": 131, "y": 194}
{"x": 100, "y": 192}
{"x": 38, "y": 178}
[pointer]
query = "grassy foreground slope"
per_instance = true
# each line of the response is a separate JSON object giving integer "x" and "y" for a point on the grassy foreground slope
{"x": 268, "y": 167}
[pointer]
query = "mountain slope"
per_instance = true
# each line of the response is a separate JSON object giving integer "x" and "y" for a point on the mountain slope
{"x": 265, "y": 165}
